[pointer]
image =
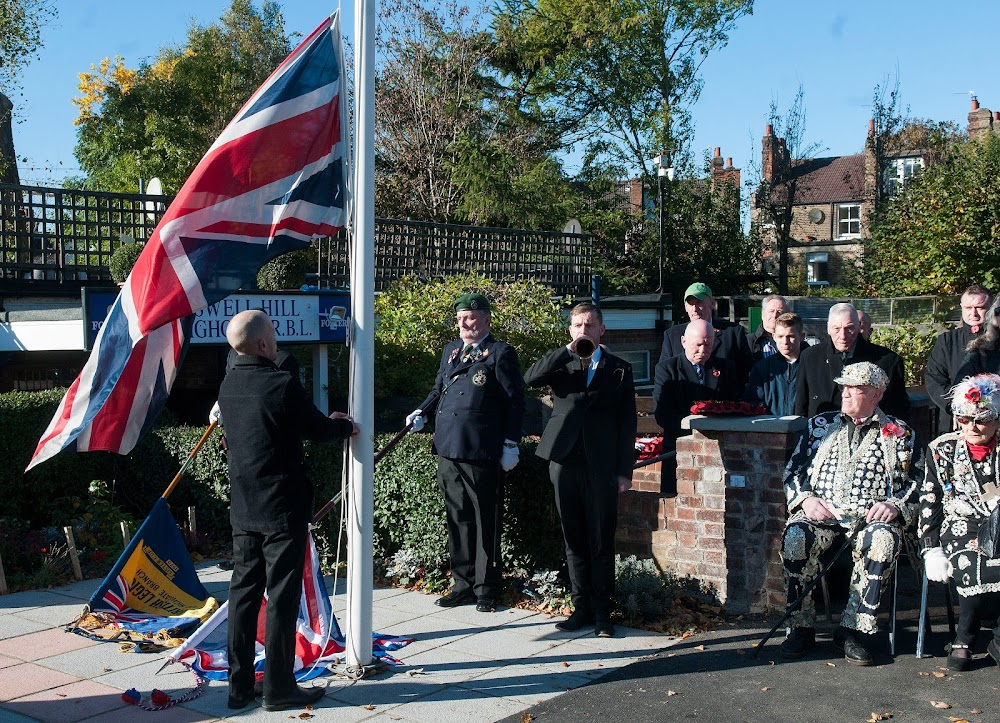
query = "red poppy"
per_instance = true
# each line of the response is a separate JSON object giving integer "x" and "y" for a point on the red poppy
{"x": 892, "y": 430}
{"x": 973, "y": 395}
{"x": 715, "y": 372}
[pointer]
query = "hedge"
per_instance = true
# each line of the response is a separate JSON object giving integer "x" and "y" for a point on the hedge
{"x": 409, "y": 510}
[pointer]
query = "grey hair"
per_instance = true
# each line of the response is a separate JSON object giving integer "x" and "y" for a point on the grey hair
{"x": 843, "y": 308}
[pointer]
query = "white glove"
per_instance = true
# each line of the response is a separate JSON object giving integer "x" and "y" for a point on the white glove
{"x": 510, "y": 455}
{"x": 215, "y": 416}
{"x": 417, "y": 419}
{"x": 936, "y": 565}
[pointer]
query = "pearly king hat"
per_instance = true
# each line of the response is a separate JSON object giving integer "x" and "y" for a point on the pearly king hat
{"x": 977, "y": 397}
{"x": 472, "y": 302}
{"x": 863, "y": 374}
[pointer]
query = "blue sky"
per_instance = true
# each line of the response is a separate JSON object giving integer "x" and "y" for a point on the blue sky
{"x": 838, "y": 51}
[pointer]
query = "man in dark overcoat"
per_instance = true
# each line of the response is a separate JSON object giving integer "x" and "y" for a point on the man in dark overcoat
{"x": 590, "y": 444}
{"x": 267, "y": 414}
{"x": 477, "y": 404}
{"x": 816, "y": 392}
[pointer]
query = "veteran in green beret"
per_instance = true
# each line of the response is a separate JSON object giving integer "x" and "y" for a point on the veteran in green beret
{"x": 477, "y": 404}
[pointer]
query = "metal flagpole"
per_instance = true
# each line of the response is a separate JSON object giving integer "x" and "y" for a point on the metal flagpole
{"x": 361, "y": 508}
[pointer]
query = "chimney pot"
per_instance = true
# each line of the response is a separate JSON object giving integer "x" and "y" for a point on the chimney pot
{"x": 768, "y": 130}
{"x": 996, "y": 115}
{"x": 975, "y": 103}
{"x": 729, "y": 162}
{"x": 871, "y": 127}
{"x": 718, "y": 152}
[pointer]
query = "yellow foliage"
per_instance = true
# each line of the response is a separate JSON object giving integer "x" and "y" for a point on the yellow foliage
{"x": 163, "y": 69}
{"x": 93, "y": 86}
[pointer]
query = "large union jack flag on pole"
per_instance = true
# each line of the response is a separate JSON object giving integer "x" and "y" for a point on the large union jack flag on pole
{"x": 274, "y": 180}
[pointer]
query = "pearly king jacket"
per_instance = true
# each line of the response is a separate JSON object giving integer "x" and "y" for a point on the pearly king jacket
{"x": 878, "y": 470}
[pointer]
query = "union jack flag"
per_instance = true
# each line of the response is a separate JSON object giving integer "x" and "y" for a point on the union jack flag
{"x": 319, "y": 644}
{"x": 274, "y": 180}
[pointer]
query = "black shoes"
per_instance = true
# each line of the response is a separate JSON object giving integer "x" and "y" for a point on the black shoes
{"x": 454, "y": 599}
{"x": 239, "y": 702}
{"x": 799, "y": 642}
{"x": 853, "y": 645}
{"x": 959, "y": 658}
{"x": 486, "y": 605}
{"x": 299, "y": 698}
{"x": 579, "y": 619}
{"x": 603, "y": 628}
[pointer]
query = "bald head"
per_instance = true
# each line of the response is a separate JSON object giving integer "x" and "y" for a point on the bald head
{"x": 698, "y": 341}
{"x": 251, "y": 332}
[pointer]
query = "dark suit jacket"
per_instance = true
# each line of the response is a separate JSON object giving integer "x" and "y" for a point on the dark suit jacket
{"x": 730, "y": 343}
{"x": 479, "y": 402}
{"x": 677, "y": 388}
{"x": 946, "y": 359}
{"x": 816, "y": 391}
{"x": 979, "y": 362}
{"x": 602, "y": 413}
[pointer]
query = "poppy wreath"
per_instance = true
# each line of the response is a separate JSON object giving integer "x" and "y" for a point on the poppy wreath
{"x": 723, "y": 408}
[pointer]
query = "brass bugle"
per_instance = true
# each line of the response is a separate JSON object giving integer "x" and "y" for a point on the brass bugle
{"x": 585, "y": 347}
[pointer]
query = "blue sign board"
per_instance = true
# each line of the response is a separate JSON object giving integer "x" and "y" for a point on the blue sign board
{"x": 320, "y": 317}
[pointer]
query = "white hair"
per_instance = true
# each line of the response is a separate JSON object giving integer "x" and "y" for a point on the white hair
{"x": 843, "y": 308}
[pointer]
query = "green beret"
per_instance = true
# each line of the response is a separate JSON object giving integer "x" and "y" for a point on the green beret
{"x": 472, "y": 302}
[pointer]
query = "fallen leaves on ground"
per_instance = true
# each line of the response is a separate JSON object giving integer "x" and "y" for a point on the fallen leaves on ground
{"x": 832, "y": 665}
{"x": 699, "y": 647}
{"x": 671, "y": 692}
{"x": 875, "y": 717}
{"x": 975, "y": 711}
{"x": 565, "y": 664}
{"x": 953, "y": 719}
{"x": 940, "y": 704}
{"x": 368, "y": 707}
{"x": 765, "y": 689}
{"x": 415, "y": 671}
{"x": 527, "y": 717}
{"x": 936, "y": 674}
{"x": 305, "y": 716}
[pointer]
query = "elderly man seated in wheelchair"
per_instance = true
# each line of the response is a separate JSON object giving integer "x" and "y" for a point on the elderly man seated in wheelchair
{"x": 847, "y": 484}
{"x": 958, "y": 512}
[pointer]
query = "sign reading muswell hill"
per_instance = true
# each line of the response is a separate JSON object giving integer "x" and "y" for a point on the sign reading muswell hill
{"x": 299, "y": 318}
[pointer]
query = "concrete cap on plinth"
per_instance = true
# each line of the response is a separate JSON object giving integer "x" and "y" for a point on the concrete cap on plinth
{"x": 766, "y": 424}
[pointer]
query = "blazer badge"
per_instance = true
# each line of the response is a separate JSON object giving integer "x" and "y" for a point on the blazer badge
{"x": 479, "y": 378}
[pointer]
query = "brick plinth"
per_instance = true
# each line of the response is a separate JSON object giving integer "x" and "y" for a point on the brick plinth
{"x": 724, "y": 525}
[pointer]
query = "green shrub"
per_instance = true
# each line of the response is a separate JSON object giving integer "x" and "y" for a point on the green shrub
{"x": 410, "y": 515}
{"x": 287, "y": 271}
{"x": 122, "y": 260}
{"x": 417, "y": 319}
{"x": 912, "y": 342}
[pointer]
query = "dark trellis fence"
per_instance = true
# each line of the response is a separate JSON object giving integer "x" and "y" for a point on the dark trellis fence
{"x": 56, "y": 240}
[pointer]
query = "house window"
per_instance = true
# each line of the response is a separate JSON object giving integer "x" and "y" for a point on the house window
{"x": 640, "y": 364}
{"x": 899, "y": 172}
{"x": 848, "y": 220}
{"x": 818, "y": 269}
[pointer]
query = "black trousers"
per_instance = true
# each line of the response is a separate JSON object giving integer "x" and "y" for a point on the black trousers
{"x": 588, "y": 511}
{"x": 473, "y": 503}
{"x": 973, "y": 610}
{"x": 271, "y": 560}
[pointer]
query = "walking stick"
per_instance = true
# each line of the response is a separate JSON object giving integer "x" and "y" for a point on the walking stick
{"x": 187, "y": 462}
{"x": 851, "y": 534}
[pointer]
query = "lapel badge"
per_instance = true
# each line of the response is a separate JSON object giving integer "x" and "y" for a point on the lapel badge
{"x": 479, "y": 378}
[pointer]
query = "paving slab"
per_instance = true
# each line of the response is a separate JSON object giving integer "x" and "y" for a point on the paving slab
{"x": 447, "y": 665}
{"x": 128, "y": 714}
{"x": 43, "y": 644}
{"x": 27, "y": 678}
{"x": 459, "y": 704}
{"x": 73, "y": 702}
{"x": 91, "y": 662}
{"x": 20, "y": 601}
{"x": 13, "y": 626}
{"x": 500, "y": 644}
{"x": 58, "y": 614}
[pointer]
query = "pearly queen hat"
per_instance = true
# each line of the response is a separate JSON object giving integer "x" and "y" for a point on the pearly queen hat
{"x": 977, "y": 397}
{"x": 863, "y": 374}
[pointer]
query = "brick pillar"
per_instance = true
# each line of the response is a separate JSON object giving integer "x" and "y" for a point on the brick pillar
{"x": 724, "y": 525}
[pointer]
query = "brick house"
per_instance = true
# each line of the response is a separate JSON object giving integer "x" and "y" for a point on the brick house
{"x": 832, "y": 199}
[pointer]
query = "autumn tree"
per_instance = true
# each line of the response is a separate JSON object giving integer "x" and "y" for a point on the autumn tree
{"x": 619, "y": 77}
{"x": 939, "y": 234}
{"x": 159, "y": 119}
{"x": 449, "y": 145}
{"x": 21, "y": 23}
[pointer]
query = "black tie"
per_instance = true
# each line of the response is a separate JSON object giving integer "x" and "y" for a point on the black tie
{"x": 700, "y": 373}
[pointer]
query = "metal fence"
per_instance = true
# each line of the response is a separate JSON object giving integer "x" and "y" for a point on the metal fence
{"x": 58, "y": 240}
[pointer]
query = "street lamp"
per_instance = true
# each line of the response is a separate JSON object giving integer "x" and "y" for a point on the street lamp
{"x": 663, "y": 170}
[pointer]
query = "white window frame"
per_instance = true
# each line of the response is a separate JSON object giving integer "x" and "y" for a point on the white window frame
{"x": 813, "y": 261}
{"x": 850, "y": 220}
{"x": 639, "y": 359}
{"x": 901, "y": 171}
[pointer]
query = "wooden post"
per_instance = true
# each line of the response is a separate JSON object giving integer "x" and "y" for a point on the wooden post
{"x": 126, "y": 535}
{"x": 192, "y": 521}
{"x": 74, "y": 558}
{"x": 3, "y": 579}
